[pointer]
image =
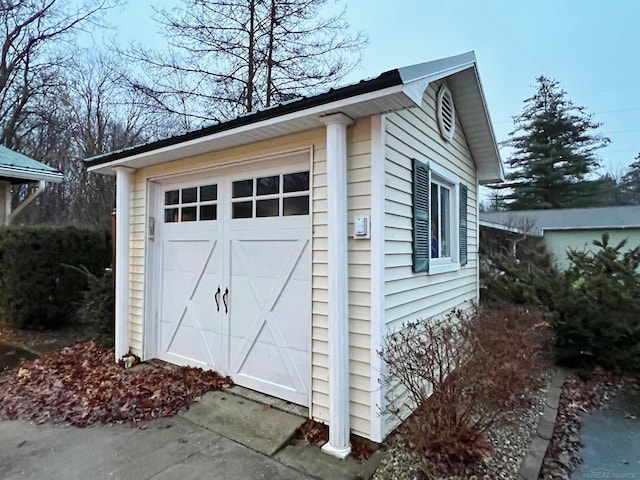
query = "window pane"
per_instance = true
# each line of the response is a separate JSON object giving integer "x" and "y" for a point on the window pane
{"x": 242, "y": 188}
{"x": 242, "y": 210}
{"x": 208, "y": 193}
{"x": 445, "y": 223}
{"x": 190, "y": 195}
{"x": 267, "y": 208}
{"x": 188, "y": 214}
{"x": 435, "y": 240}
{"x": 268, "y": 185}
{"x": 208, "y": 212}
{"x": 295, "y": 205}
{"x": 296, "y": 182}
{"x": 172, "y": 197}
{"x": 171, "y": 215}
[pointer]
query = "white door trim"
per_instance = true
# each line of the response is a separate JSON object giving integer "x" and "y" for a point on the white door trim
{"x": 282, "y": 163}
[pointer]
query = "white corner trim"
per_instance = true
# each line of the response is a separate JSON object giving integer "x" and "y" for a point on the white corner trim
{"x": 477, "y": 247}
{"x": 377, "y": 372}
{"x": 123, "y": 189}
{"x": 338, "y": 276}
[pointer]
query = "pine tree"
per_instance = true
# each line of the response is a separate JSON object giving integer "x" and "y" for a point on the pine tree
{"x": 555, "y": 144}
{"x": 630, "y": 183}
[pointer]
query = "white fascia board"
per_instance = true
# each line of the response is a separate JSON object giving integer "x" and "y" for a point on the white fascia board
{"x": 506, "y": 228}
{"x": 53, "y": 177}
{"x": 593, "y": 227}
{"x": 500, "y": 174}
{"x": 416, "y": 87}
{"x": 492, "y": 177}
{"x": 165, "y": 153}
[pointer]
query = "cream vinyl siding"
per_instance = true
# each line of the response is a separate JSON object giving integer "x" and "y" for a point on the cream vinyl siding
{"x": 359, "y": 257}
{"x": 359, "y": 188}
{"x": 413, "y": 133}
{"x": 559, "y": 241}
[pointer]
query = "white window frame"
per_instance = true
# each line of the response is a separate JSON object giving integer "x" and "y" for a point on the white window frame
{"x": 441, "y": 176}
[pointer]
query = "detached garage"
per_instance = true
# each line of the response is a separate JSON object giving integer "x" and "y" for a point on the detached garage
{"x": 280, "y": 247}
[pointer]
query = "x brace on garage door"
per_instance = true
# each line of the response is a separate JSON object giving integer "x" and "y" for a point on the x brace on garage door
{"x": 233, "y": 264}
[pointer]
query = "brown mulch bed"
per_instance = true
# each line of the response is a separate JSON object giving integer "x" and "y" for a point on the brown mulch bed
{"x": 581, "y": 394}
{"x": 81, "y": 384}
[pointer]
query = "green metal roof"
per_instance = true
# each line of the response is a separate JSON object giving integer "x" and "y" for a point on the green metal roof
{"x": 18, "y": 168}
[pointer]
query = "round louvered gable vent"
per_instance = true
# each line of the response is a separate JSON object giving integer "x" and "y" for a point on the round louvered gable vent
{"x": 446, "y": 113}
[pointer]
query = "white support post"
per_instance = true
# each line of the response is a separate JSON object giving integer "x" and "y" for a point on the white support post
{"x": 6, "y": 212}
{"x": 339, "y": 443}
{"x": 123, "y": 189}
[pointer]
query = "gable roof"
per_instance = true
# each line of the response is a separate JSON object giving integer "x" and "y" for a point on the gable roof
{"x": 393, "y": 90}
{"x": 18, "y": 168}
{"x": 536, "y": 222}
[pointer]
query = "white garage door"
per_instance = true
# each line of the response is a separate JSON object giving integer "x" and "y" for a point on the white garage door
{"x": 234, "y": 264}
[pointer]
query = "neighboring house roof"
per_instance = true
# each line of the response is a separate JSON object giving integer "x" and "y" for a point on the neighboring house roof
{"x": 18, "y": 168}
{"x": 535, "y": 222}
{"x": 393, "y": 90}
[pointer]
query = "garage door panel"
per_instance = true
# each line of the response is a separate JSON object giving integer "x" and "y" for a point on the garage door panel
{"x": 270, "y": 314}
{"x": 262, "y": 339}
{"x": 275, "y": 369}
{"x": 189, "y": 280}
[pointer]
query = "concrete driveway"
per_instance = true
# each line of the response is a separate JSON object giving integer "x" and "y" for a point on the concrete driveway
{"x": 611, "y": 440}
{"x": 170, "y": 448}
{"x": 229, "y": 434}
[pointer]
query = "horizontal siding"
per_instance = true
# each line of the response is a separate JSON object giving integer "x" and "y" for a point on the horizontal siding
{"x": 559, "y": 241}
{"x": 413, "y": 133}
{"x": 137, "y": 213}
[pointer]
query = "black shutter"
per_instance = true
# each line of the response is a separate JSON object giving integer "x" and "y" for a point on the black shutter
{"x": 421, "y": 235}
{"x": 463, "y": 224}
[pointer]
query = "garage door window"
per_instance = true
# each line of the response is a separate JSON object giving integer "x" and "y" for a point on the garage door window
{"x": 191, "y": 204}
{"x": 271, "y": 196}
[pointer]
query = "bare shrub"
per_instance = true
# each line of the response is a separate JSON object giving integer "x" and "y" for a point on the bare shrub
{"x": 461, "y": 375}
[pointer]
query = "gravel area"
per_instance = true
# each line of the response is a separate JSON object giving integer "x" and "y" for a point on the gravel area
{"x": 510, "y": 443}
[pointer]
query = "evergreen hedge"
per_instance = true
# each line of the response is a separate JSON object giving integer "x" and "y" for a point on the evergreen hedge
{"x": 596, "y": 312}
{"x": 37, "y": 290}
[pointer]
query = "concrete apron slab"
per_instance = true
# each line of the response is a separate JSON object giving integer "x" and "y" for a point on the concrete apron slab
{"x": 313, "y": 461}
{"x": 255, "y": 425}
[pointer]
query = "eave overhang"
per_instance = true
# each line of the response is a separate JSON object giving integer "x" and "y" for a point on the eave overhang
{"x": 393, "y": 90}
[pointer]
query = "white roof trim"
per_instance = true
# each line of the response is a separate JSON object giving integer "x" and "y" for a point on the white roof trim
{"x": 416, "y": 78}
{"x": 594, "y": 227}
{"x": 22, "y": 174}
{"x": 176, "y": 151}
{"x": 412, "y": 82}
{"x": 507, "y": 228}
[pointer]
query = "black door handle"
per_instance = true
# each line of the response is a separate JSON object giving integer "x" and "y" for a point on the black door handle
{"x": 217, "y": 298}
{"x": 224, "y": 299}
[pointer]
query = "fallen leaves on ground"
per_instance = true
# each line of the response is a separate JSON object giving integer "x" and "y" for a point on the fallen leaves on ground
{"x": 82, "y": 385}
{"x": 316, "y": 433}
{"x": 313, "y": 433}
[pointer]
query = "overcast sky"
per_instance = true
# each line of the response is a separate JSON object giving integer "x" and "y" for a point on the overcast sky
{"x": 592, "y": 47}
